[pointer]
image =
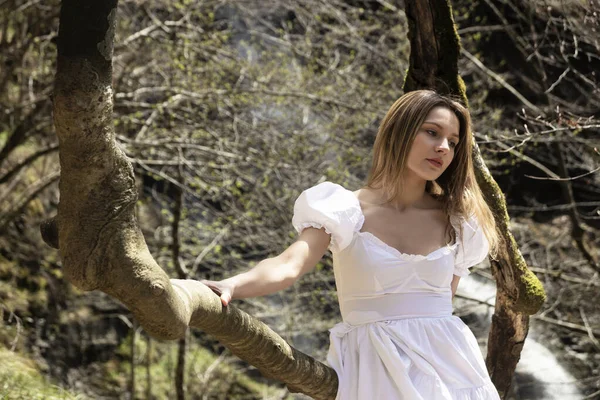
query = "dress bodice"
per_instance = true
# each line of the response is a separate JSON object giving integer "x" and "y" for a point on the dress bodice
{"x": 375, "y": 281}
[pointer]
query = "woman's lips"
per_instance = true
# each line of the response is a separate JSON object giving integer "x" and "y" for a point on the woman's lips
{"x": 435, "y": 163}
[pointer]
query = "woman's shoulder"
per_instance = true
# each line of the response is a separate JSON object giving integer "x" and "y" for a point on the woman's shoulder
{"x": 469, "y": 232}
{"x": 330, "y": 206}
{"x": 328, "y": 187}
{"x": 465, "y": 221}
{"x": 328, "y": 192}
{"x": 473, "y": 244}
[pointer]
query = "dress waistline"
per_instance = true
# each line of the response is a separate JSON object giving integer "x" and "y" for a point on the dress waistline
{"x": 394, "y": 306}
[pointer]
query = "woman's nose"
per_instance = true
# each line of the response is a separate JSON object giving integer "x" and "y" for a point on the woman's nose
{"x": 443, "y": 146}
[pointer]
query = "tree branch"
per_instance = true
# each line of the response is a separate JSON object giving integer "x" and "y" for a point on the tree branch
{"x": 28, "y": 195}
{"x": 14, "y": 170}
{"x": 101, "y": 245}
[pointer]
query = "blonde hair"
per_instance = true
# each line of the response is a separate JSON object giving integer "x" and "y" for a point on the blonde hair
{"x": 456, "y": 188}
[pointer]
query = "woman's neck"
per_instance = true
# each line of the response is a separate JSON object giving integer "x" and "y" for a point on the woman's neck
{"x": 412, "y": 193}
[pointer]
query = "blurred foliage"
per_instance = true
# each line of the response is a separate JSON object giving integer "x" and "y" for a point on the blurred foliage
{"x": 20, "y": 380}
{"x": 210, "y": 376}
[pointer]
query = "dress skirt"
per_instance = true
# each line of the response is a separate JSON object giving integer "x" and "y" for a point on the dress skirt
{"x": 428, "y": 358}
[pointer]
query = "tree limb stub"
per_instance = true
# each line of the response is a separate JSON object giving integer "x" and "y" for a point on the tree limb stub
{"x": 435, "y": 49}
{"x": 506, "y": 339}
{"x": 100, "y": 243}
{"x": 433, "y": 36}
{"x": 49, "y": 231}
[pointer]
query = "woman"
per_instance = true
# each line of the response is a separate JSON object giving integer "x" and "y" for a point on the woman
{"x": 400, "y": 246}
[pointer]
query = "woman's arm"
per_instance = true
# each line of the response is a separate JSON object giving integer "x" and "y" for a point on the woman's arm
{"x": 277, "y": 273}
{"x": 454, "y": 284}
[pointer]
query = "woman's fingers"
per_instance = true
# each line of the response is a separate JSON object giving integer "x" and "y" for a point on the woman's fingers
{"x": 225, "y": 298}
{"x": 213, "y": 285}
{"x": 221, "y": 290}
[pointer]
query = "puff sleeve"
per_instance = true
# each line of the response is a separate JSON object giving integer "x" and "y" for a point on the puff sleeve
{"x": 472, "y": 248}
{"x": 329, "y": 206}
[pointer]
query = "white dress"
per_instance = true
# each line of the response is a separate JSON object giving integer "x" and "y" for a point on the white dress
{"x": 398, "y": 338}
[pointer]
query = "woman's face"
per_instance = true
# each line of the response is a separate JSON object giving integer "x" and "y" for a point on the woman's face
{"x": 432, "y": 150}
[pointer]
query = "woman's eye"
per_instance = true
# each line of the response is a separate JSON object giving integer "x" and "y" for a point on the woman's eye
{"x": 431, "y": 132}
{"x": 453, "y": 144}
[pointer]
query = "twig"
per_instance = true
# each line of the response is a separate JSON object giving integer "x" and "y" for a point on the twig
{"x": 560, "y": 78}
{"x": 171, "y": 101}
{"x": 501, "y": 81}
{"x": 27, "y": 161}
{"x": 166, "y": 177}
{"x": 202, "y": 95}
{"x": 484, "y": 302}
{"x": 388, "y": 5}
{"x": 570, "y": 325}
{"x": 543, "y": 178}
{"x": 28, "y": 195}
{"x": 170, "y": 143}
{"x": 173, "y": 163}
{"x": 208, "y": 372}
{"x": 478, "y": 29}
{"x": 523, "y": 157}
{"x": 561, "y": 275}
{"x": 15, "y": 341}
{"x": 591, "y": 396}
{"x": 208, "y": 249}
{"x": 589, "y": 328}
{"x": 556, "y": 207}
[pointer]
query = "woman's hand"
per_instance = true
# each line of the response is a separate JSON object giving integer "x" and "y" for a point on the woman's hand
{"x": 224, "y": 289}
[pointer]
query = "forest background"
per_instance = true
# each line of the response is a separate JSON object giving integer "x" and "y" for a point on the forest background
{"x": 228, "y": 109}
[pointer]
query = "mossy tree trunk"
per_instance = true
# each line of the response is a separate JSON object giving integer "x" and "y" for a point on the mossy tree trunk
{"x": 435, "y": 48}
{"x": 100, "y": 243}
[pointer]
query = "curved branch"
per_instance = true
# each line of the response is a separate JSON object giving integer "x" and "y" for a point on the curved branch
{"x": 101, "y": 245}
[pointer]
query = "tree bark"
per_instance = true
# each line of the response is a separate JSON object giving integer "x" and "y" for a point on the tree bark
{"x": 100, "y": 243}
{"x": 181, "y": 274}
{"x": 434, "y": 48}
{"x": 180, "y": 368}
{"x": 148, "y": 365}
{"x": 519, "y": 292}
{"x": 132, "y": 361}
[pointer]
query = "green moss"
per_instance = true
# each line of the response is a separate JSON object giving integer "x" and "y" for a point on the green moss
{"x": 531, "y": 294}
{"x": 3, "y": 138}
{"x": 20, "y": 380}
